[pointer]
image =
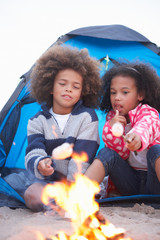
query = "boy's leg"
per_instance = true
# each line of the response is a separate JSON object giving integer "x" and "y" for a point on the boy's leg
{"x": 108, "y": 162}
{"x": 153, "y": 176}
{"x": 32, "y": 197}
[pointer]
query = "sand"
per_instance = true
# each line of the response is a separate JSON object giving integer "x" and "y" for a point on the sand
{"x": 140, "y": 222}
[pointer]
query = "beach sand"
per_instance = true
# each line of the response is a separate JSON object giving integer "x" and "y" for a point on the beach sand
{"x": 140, "y": 222}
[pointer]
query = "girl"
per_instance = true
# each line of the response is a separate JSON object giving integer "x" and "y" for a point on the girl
{"x": 132, "y": 98}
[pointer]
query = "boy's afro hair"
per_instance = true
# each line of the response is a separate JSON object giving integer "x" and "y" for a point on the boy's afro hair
{"x": 61, "y": 57}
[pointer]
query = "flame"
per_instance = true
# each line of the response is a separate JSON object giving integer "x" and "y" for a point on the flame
{"x": 79, "y": 159}
{"x": 54, "y": 131}
{"x": 77, "y": 199}
{"x": 82, "y": 157}
{"x": 73, "y": 197}
{"x": 39, "y": 236}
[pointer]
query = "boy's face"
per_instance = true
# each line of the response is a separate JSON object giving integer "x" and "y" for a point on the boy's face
{"x": 66, "y": 91}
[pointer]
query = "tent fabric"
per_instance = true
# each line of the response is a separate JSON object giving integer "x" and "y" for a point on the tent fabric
{"x": 112, "y": 32}
{"x": 126, "y": 201}
{"x": 116, "y": 41}
{"x": 6, "y": 189}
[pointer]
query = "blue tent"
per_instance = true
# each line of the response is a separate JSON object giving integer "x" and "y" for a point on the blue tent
{"x": 114, "y": 41}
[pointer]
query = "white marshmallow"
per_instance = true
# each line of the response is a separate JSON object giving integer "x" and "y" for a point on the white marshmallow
{"x": 63, "y": 151}
{"x": 117, "y": 129}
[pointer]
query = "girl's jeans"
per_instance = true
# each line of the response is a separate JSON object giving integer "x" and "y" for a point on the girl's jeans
{"x": 128, "y": 180}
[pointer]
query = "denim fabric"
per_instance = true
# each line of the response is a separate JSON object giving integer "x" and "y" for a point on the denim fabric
{"x": 128, "y": 180}
{"x": 153, "y": 185}
{"x": 22, "y": 180}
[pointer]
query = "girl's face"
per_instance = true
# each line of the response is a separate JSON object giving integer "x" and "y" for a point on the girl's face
{"x": 66, "y": 91}
{"x": 123, "y": 94}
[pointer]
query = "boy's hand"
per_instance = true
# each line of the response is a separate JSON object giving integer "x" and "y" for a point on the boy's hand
{"x": 118, "y": 118}
{"x": 45, "y": 167}
{"x": 133, "y": 141}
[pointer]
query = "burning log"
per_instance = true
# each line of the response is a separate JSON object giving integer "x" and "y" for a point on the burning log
{"x": 95, "y": 227}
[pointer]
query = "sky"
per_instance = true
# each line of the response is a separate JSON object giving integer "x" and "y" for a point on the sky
{"x": 29, "y": 27}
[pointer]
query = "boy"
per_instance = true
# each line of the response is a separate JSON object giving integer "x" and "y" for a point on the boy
{"x": 68, "y": 82}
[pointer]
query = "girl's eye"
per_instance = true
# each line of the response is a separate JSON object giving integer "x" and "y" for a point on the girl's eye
{"x": 112, "y": 93}
{"x": 125, "y": 92}
{"x": 76, "y": 87}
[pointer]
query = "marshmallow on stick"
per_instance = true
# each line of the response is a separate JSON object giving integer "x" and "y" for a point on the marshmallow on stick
{"x": 117, "y": 129}
{"x": 63, "y": 151}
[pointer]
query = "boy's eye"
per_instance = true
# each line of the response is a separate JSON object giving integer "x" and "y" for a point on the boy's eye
{"x": 61, "y": 83}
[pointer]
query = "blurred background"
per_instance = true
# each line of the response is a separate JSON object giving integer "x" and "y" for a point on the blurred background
{"x": 29, "y": 27}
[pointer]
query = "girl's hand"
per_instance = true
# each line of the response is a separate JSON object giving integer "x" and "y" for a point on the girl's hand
{"x": 45, "y": 167}
{"x": 118, "y": 118}
{"x": 133, "y": 141}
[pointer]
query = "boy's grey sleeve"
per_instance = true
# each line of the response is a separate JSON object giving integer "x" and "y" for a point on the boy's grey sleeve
{"x": 35, "y": 150}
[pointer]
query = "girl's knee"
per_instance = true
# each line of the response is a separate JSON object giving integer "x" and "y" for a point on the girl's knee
{"x": 152, "y": 155}
{"x": 109, "y": 158}
{"x": 157, "y": 168}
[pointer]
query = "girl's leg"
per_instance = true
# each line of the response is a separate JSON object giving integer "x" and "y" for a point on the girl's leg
{"x": 157, "y": 168}
{"x": 96, "y": 171}
{"x": 153, "y": 176}
{"x": 108, "y": 162}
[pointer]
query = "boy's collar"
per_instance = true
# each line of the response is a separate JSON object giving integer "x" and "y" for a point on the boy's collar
{"x": 45, "y": 107}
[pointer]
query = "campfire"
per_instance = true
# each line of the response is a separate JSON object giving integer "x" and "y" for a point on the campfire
{"x": 76, "y": 200}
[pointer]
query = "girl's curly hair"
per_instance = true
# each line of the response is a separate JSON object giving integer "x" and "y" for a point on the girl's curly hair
{"x": 60, "y": 57}
{"x": 146, "y": 79}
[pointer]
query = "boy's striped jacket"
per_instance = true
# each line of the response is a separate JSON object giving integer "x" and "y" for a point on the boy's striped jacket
{"x": 81, "y": 129}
